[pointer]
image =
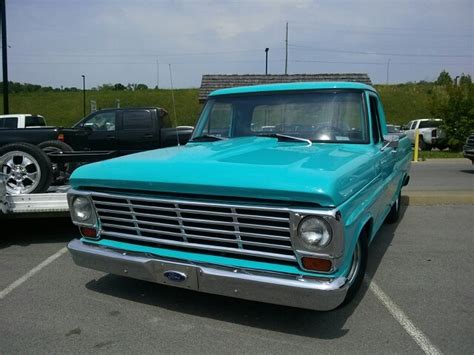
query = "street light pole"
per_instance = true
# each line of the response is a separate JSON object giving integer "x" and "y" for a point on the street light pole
{"x": 84, "y": 93}
{"x": 266, "y": 60}
{"x": 6, "y": 109}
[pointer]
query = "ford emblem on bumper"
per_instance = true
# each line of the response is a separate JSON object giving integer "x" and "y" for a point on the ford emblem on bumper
{"x": 175, "y": 276}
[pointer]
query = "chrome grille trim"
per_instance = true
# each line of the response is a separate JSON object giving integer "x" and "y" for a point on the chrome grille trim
{"x": 211, "y": 213}
{"x": 256, "y": 231}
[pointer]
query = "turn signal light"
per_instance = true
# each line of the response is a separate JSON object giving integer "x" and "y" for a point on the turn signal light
{"x": 89, "y": 232}
{"x": 61, "y": 137}
{"x": 316, "y": 264}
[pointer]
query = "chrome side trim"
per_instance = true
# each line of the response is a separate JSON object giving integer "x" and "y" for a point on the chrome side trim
{"x": 283, "y": 289}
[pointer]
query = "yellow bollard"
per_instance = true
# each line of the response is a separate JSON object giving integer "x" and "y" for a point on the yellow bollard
{"x": 415, "y": 153}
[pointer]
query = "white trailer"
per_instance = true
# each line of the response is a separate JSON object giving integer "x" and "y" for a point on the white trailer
{"x": 52, "y": 203}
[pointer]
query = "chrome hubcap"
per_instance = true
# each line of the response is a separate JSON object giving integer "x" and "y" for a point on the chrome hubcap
{"x": 355, "y": 266}
{"x": 22, "y": 171}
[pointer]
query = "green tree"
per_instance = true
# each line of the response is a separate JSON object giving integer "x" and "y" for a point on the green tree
{"x": 465, "y": 79}
{"x": 456, "y": 108}
{"x": 444, "y": 78}
{"x": 141, "y": 87}
{"x": 119, "y": 87}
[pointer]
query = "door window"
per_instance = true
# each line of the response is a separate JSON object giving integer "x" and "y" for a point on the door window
{"x": 137, "y": 120}
{"x": 9, "y": 122}
{"x": 34, "y": 121}
{"x": 375, "y": 117}
{"x": 101, "y": 122}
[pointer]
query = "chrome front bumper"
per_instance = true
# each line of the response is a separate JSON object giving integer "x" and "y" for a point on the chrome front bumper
{"x": 276, "y": 288}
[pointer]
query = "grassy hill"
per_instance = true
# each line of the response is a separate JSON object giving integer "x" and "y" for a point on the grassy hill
{"x": 402, "y": 103}
{"x": 66, "y": 108}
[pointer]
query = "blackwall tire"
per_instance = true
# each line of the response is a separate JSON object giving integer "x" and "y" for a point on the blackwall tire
{"x": 28, "y": 169}
{"x": 61, "y": 172}
{"x": 394, "y": 213}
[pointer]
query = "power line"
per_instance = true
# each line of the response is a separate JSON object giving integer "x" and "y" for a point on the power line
{"x": 374, "y": 63}
{"x": 302, "y": 47}
{"x": 143, "y": 63}
{"x": 135, "y": 54}
{"x": 334, "y": 62}
{"x": 373, "y": 30}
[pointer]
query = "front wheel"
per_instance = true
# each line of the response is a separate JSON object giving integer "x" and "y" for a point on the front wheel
{"x": 27, "y": 168}
{"x": 358, "y": 267}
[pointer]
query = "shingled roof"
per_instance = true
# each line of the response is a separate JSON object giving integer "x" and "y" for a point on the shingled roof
{"x": 210, "y": 83}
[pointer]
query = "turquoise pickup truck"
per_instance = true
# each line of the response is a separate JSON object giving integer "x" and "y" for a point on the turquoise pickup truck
{"x": 275, "y": 198}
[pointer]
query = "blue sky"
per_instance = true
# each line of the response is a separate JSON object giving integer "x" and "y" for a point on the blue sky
{"x": 54, "y": 42}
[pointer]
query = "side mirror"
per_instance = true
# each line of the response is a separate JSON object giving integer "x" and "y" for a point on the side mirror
{"x": 390, "y": 141}
{"x": 88, "y": 127}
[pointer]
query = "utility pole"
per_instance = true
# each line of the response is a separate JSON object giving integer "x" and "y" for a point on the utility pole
{"x": 388, "y": 69}
{"x": 157, "y": 74}
{"x": 6, "y": 108}
{"x": 266, "y": 60}
{"x": 286, "y": 50}
{"x": 84, "y": 93}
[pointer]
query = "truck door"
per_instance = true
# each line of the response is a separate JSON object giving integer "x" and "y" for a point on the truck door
{"x": 138, "y": 131}
{"x": 100, "y": 131}
{"x": 385, "y": 160}
{"x": 411, "y": 130}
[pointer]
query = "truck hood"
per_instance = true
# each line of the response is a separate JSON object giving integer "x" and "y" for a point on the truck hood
{"x": 248, "y": 167}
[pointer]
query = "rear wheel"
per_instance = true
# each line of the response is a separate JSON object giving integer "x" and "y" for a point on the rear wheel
{"x": 27, "y": 168}
{"x": 423, "y": 145}
{"x": 61, "y": 171}
{"x": 394, "y": 213}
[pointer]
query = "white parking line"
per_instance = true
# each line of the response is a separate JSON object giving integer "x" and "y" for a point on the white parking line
{"x": 416, "y": 334}
{"x": 31, "y": 273}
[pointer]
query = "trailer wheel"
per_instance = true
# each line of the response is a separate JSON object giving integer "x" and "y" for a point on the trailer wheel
{"x": 61, "y": 171}
{"x": 28, "y": 169}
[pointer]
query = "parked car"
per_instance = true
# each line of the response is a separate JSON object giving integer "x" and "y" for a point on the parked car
{"x": 430, "y": 135}
{"x": 275, "y": 198}
{"x": 394, "y": 129}
{"x": 21, "y": 121}
{"x": 468, "y": 149}
{"x": 101, "y": 135}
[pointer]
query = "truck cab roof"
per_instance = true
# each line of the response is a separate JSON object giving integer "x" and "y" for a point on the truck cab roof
{"x": 323, "y": 85}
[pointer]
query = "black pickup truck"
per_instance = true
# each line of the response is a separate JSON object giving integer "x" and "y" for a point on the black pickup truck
{"x": 101, "y": 135}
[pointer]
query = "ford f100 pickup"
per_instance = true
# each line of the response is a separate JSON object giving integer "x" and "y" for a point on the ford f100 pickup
{"x": 275, "y": 198}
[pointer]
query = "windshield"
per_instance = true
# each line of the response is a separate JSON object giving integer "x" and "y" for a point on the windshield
{"x": 324, "y": 116}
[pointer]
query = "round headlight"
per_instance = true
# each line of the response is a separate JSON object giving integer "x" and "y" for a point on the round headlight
{"x": 82, "y": 208}
{"x": 315, "y": 232}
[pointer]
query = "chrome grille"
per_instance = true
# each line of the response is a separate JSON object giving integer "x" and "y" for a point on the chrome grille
{"x": 259, "y": 232}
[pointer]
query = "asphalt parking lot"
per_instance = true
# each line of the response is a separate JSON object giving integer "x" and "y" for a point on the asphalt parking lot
{"x": 418, "y": 295}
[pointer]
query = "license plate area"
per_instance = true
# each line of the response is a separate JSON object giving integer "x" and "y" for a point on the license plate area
{"x": 177, "y": 275}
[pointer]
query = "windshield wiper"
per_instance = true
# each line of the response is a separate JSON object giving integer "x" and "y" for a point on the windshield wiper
{"x": 285, "y": 137}
{"x": 207, "y": 138}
